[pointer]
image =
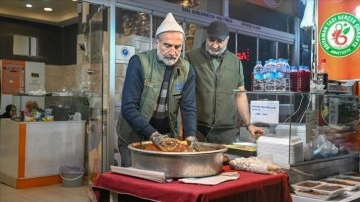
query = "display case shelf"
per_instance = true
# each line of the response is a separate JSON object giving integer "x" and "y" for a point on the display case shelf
{"x": 311, "y": 134}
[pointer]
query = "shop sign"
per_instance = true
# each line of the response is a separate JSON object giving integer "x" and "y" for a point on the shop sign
{"x": 124, "y": 53}
{"x": 340, "y": 35}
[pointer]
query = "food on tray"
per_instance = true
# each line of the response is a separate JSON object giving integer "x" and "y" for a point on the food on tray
{"x": 349, "y": 185}
{"x": 316, "y": 195}
{"x": 353, "y": 174}
{"x": 254, "y": 164}
{"x": 341, "y": 182}
{"x": 185, "y": 148}
{"x": 306, "y": 185}
{"x": 329, "y": 187}
{"x": 343, "y": 177}
{"x": 309, "y": 184}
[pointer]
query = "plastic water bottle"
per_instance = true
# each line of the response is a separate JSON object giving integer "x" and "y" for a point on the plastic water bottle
{"x": 287, "y": 74}
{"x": 294, "y": 75}
{"x": 272, "y": 72}
{"x": 258, "y": 84}
{"x": 281, "y": 75}
{"x": 266, "y": 75}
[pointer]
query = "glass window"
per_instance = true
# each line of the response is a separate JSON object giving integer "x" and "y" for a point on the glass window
{"x": 260, "y": 15}
{"x": 132, "y": 23}
{"x": 285, "y": 51}
{"x": 246, "y": 52}
{"x": 267, "y": 50}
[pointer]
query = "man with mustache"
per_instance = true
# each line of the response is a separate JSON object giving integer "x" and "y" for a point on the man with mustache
{"x": 218, "y": 72}
{"x": 158, "y": 84}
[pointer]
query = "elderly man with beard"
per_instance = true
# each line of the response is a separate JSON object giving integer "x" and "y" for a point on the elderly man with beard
{"x": 218, "y": 72}
{"x": 158, "y": 84}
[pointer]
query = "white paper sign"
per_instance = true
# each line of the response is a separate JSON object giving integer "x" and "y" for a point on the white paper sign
{"x": 264, "y": 112}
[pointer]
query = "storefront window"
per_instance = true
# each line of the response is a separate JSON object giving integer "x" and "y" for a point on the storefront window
{"x": 132, "y": 23}
{"x": 246, "y": 52}
{"x": 258, "y": 13}
{"x": 284, "y": 51}
{"x": 267, "y": 50}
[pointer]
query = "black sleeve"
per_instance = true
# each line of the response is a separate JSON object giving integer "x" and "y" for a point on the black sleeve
{"x": 188, "y": 105}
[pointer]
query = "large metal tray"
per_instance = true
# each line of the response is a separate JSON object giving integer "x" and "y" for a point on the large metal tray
{"x": 179, "y": 164}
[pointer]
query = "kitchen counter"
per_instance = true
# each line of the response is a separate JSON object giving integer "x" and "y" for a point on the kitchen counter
{"x": 33, "y": 152}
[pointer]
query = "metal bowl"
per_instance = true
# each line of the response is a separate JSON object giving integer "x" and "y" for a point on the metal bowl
{"x": 179, "y": 164}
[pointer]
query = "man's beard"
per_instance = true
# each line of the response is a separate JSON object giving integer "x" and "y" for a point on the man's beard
{"x": 216, "y": 52}
{"x": 168, "y": 60}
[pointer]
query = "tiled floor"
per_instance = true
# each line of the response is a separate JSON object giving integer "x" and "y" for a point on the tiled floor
{"x": 51, "y": 193}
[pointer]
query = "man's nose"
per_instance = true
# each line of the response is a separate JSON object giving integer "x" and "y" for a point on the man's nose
{"x": 214, "y": 45}
{"x": 172, "y": 50}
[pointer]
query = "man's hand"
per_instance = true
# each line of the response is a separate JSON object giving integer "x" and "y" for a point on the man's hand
{"x": 165, "y": 143}
{"x": 192, "y": 141}
{"x": 255, "y": 131}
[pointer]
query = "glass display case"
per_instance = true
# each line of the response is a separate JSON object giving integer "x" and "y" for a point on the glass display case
{"x": 63, "y": 108}
{"x": 310, "y": 135}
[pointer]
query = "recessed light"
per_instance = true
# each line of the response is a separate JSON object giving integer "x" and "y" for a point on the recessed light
{"x": 47, "y": 9}
{"x": 28, "y": 5}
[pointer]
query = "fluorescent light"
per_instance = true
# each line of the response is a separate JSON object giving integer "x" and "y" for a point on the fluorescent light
{"x": 47, "y": 9}
{"x": 28, "y": 5}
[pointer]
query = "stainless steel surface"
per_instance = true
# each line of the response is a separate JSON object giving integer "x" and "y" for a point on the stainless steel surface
{"x": 322, "y": 168}
{"x": 179, "y": 164}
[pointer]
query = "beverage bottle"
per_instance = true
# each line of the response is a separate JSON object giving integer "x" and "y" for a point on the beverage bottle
{"x": 300, "y": 79}
{"x": 307, "y": 78}
{"x": 281, "y": 75}
{"x": 258, "y": 77}
{"x": 294, "y": 75}
{"x": 287, "y": 75}
{"x": 303, "y": 83}
{"x": 266, "y": 75}
{"x": 322, "y": 75}
{"x": 272, "y": 72}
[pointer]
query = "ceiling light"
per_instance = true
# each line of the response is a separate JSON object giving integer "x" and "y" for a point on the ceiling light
{"x": 28, "y": 5}
{"x": 47, "y": 9}
{"x": 74, "y": 0}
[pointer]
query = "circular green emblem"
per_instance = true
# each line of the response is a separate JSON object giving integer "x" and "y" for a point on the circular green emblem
{"x": 340, "y": 35}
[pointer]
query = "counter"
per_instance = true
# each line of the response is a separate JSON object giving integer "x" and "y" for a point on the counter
{"x": 33, "y": 152}
{"x": 249, "y": 187}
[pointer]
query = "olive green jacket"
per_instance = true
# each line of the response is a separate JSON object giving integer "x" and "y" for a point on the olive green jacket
{"x": 153, "y": 73}
{"x": 215, "y": 99}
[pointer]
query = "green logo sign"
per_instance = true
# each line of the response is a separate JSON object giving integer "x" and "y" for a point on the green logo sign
{"x": 340, "y": 35}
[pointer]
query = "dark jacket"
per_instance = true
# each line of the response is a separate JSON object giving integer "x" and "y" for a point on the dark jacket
{"x": 141, "y": 89}
{"x": 215, "y": 98}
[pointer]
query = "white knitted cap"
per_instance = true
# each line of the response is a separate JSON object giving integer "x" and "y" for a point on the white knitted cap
{"x": 169, "y": 24}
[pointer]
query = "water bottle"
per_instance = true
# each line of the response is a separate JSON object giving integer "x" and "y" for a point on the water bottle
{"x": 266, "y": 75}
{"x": 281, "y": 75}
{"x": 287, "y": 74}
{"x": 272, "y": 72}
{"x": 294, "y": 75}
{"x": 258, "y": 84}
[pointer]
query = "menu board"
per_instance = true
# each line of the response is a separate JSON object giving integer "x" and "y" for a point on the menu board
{"x": 13, "y": 77}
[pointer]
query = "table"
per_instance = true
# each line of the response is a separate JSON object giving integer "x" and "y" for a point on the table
{"x": 249, "y": 187}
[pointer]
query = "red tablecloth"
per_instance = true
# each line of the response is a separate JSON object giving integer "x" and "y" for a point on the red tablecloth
{"x": 249, "y": 187}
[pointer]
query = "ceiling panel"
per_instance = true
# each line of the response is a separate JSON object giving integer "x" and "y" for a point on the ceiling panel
{"x": 64, "y": 11}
